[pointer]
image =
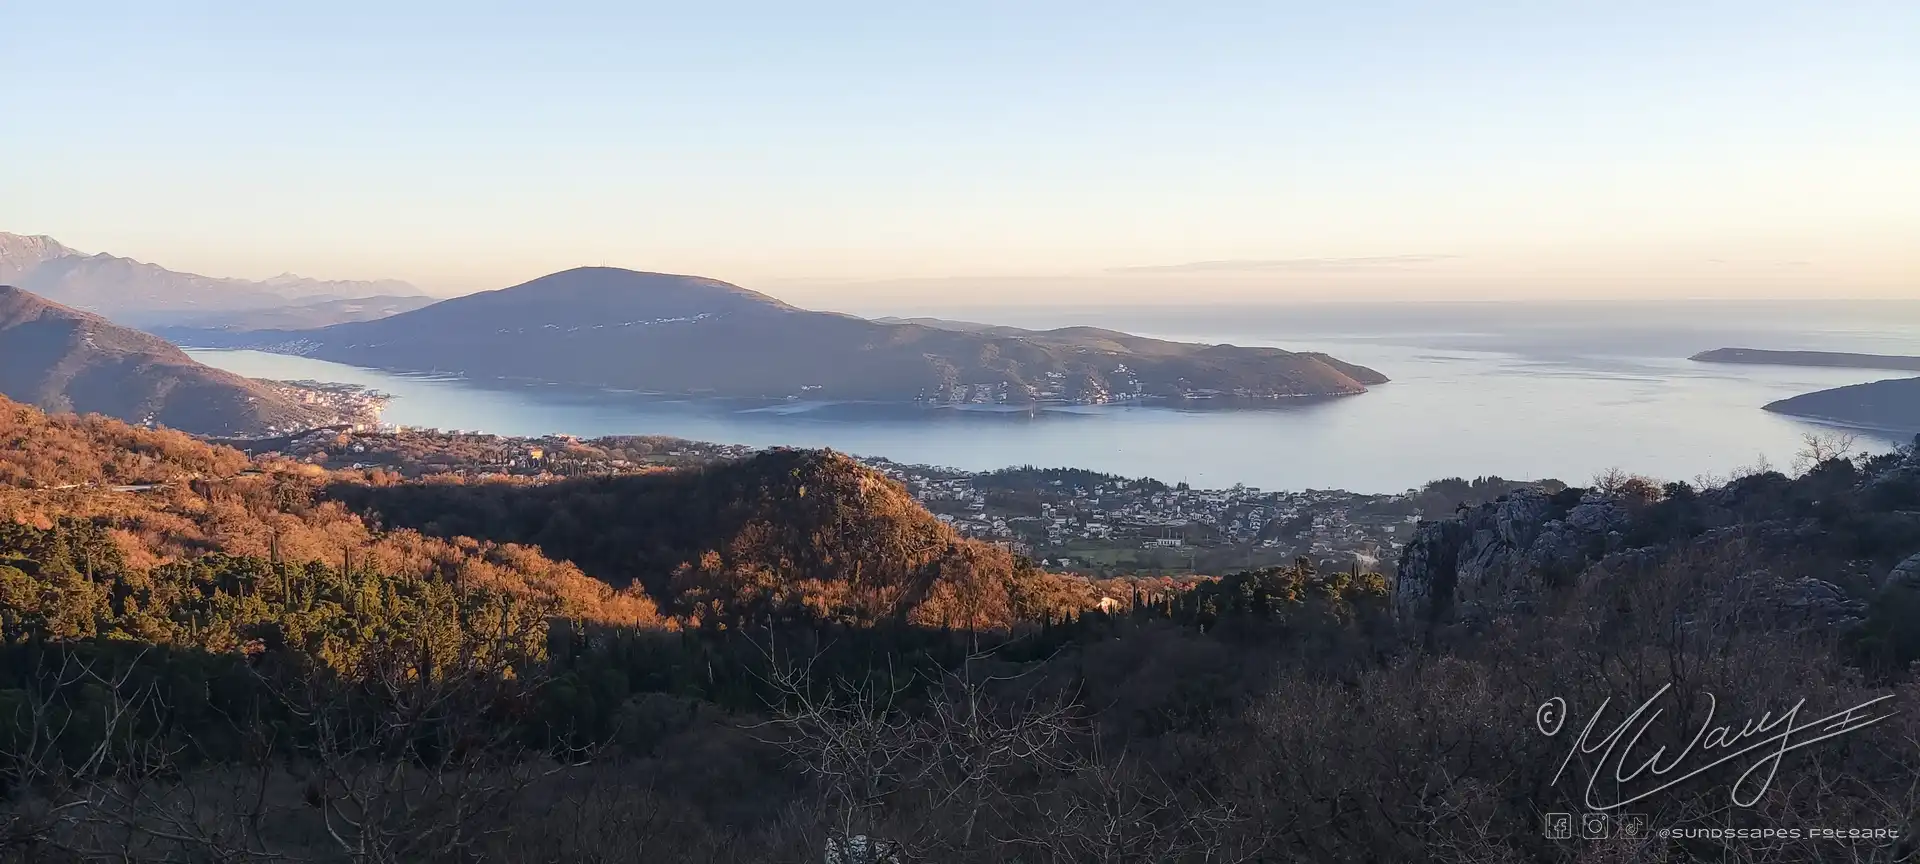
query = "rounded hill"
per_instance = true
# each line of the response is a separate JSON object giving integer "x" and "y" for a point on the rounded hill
{"x": 785, "y": 533}
{"x": 694, "y": 337}
{"x": 582, "y": 296}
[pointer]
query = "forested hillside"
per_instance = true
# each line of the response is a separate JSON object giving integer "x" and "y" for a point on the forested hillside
{"x": 64, "y": 359}
{"x": 789, "y": 532}
{"x": 262, "y": 661}
{"x": 68, "y": 476}
{"x": 802, "y": 535}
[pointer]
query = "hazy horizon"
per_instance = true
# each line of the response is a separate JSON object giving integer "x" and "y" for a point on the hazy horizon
{"x": 958, "y": 295}
{"x": 868, "y": 153}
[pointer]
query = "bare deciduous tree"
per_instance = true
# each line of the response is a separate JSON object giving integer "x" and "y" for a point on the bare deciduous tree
{"x": 1818, "y": 448}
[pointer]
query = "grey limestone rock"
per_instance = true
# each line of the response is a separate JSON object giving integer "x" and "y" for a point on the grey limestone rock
{"x": 1906, "y": 574}
{"x": 1497, "y": 555}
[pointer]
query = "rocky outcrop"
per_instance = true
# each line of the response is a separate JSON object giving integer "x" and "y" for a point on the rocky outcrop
{"x": 1501, "y": 557}
{"x": 1899, "y": 486}
{"x": 1429, "y": 569}
{"x": 1494, "y": 555}
{"x": 1768, "y": 551}
{"x": 1766, "y": 601}
{"x": 860, "y": 849}
{"x": 1905, "y": 575}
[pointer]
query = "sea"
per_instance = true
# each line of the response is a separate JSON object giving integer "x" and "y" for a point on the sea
{"x": 1519, "y": 390}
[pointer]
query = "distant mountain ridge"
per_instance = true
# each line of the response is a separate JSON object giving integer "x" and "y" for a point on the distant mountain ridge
{"x": 142, "y": 294}
{"x": 320, "y": 313}
{"x": 20, "y": 254}
{"x": 64, "y": 359}
{"x": 948, "y": 324}
{"x": 690, "y": 336}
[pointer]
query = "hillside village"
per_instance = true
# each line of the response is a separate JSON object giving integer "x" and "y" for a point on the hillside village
{"x": 348, "y": 404}
{"x": 414, "y": 452}
{"x": 1054, "y": 388}
{"x": 1086, "y": 521}
{"x": 1064, "y": 519}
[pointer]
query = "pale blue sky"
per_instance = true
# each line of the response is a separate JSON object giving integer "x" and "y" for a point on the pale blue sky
{"x": 833, "y": 152}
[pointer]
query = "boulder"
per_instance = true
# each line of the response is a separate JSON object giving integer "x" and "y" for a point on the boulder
{"x": 1906, "y": 574}
{"x": 1637, "y": 560}
{"x": 860, "y": 849}
{"x": 1596, "y": 517}
{"x": 1558, "y": 547}
{"x": 1803, "y": 602}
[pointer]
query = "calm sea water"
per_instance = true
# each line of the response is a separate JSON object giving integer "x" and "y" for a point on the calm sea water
{"x": 1519, "y": 390}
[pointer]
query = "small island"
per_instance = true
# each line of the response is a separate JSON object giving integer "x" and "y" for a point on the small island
{"x": 1820, "y": 359}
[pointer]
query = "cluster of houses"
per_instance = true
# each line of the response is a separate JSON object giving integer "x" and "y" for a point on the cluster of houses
{"x": 1143, "y": 514}
{"x": 1053, "y": 387}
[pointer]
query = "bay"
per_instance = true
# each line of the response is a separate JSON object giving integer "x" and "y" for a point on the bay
{"x": 1519, "y": 390}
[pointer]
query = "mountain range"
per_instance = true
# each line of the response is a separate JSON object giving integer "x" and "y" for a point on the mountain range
{"x": 140, "y": 294}
{"x": 303, "y": 315}
{"x": 63, "y": 359}
{"x": 690, "y": 336}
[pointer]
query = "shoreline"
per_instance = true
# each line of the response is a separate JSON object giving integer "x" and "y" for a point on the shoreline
{"x": 1808, "y": 359}
{"x": 1900, "y": 435}
{"x": 768, "y": 404}
{"x": 1308, "y": 444}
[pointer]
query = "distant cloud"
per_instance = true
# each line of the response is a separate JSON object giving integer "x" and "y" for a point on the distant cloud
{"x": 1778, "y": 265}
{"x": 1379, "y": 262}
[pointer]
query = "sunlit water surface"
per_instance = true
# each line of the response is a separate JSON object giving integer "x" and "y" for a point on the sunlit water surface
{"x": 1522, "y": 391}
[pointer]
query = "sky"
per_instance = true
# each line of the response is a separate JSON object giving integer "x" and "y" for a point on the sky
{"x": 867, "y": 154}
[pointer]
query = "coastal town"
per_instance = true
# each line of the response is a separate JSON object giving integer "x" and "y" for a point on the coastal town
{"x": 416, "y": 452}
{"x": 1085, "y": 521}
{"x": 1054, "y": 389}
{"x": 1064, "y": 519}
{"x": 345, "y": 404}
{"x": 1121, "y": 385}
